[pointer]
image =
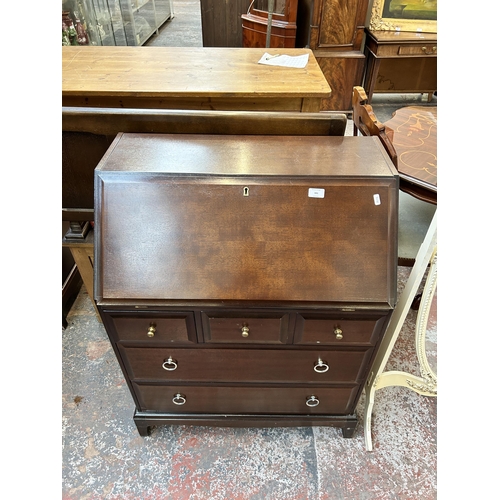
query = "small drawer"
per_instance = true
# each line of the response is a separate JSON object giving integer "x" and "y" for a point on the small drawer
{"x": 382, "y": 51}
{"x": 418, "y": 50}
{"x": 238, "y": 328}
{"x": 246, "y": 365}
{"x": 168, "y": 328}
{"x": 247, "y": 400}
{"x": 311, "y": 329}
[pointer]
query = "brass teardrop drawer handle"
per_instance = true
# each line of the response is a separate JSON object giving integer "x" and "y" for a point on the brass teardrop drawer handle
{"x": 169, "y": 364}
{"x": 151, "y": 330}
{"x": 245, "y": 331}
{"x": 179, "y": 399}
{"x": 321, "y": 366}
{"x": 339, "y": 334}
{"x": 312, "y": 401}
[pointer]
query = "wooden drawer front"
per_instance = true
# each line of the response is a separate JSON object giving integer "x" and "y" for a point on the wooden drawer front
{"x": 243, "y": 328}
{"x": 419, "y": 50}
{"x": 311, "y": 329}
{"x": 422, "y": 50}
{"x": 155, "y": 329}
{"x": 210, "y": 399}
{"x": 245, "y": 365}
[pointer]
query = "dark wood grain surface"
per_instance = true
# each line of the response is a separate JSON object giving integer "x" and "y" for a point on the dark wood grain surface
{"x": 265, "y": 264}
{"x": 223, "y": 399}
{"x": 250, "y": 365}
{"x": 205, "y": 239}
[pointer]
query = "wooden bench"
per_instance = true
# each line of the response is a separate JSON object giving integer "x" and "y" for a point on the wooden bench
{"x": 87, "y": 134}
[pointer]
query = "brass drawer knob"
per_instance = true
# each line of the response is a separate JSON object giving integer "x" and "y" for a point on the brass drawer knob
{"x": 169, "y": 364}
{"x": 321, "y": 366}
{"x": 312, "y": 401}
{"x": 245, "y": 331}
{"x": 151, "y": 330}
{"x": 179, "y": 399}
{"x": 428, "y": 50}
{"x": 338, "y": 333}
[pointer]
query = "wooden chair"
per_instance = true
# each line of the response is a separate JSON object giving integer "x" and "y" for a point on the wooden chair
{"x": 87, "y": 133}
{"x": 365, "y": 121}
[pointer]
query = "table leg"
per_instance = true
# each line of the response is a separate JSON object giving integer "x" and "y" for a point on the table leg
{"x": 372, "y": 68}
{"x": 83, "y": 261}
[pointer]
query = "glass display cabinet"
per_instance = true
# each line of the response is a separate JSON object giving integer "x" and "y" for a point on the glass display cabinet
{"x": 164, "y": 10}
{"x": 283, "y": 24}
{"x": 110, "y": 25}
{"x": 112, "y": 22}
{"x": 98, "y": 22}
{"x": 142, "y": 18}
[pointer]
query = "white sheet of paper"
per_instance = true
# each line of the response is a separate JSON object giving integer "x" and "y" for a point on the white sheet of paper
{"x": 284, "y": 60}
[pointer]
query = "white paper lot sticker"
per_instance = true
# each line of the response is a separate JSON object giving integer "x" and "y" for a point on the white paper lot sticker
{"x": 316, "y": 193}
{"x": 376, "y": 199}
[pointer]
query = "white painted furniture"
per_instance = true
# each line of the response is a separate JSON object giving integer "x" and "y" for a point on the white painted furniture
{"x": 426, "y": 384}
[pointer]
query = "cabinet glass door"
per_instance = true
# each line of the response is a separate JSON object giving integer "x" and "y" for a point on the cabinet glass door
{"x": 139, "y": 19}
{"x": 164, "y": 11}
{"x": 78, "y": 23}
{"x": 110, "y": 22}
{"x": 263, "y": 5}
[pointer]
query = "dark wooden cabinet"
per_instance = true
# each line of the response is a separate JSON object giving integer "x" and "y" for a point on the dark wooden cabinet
{"x": 400, "y": 62}
{"x": 245, "y": 280}
{"x": 221, "y": 22}
{"x": 334, "y": 30}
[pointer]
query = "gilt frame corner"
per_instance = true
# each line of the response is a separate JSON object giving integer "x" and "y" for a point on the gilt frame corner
{"x": 380, "y": 23}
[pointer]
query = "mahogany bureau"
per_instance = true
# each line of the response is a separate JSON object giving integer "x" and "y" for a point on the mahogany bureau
{"x": 245, "y": 280}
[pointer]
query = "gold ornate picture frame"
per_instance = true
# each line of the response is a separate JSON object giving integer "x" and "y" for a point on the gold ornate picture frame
{"x": 404, "y": 15}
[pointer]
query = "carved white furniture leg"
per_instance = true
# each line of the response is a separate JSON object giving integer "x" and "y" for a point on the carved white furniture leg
{"x": 427, "y": 383}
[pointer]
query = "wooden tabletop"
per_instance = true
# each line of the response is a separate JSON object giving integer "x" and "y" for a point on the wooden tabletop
{"x": 414, "y": 136}
{"x": 384, "y": 36}
{"x": 186, "y": 73}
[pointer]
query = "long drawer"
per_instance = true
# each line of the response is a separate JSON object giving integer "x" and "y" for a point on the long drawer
{"x": 223, "y": 399}
{"x": 246, "y": 365}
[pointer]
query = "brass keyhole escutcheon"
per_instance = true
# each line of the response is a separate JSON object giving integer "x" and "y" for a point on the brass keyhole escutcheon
{"x": 245, "y": 331}
{"x": 338, "y": 333}
{"x": 151, "y": 330}
{"x": 246, "y": 191}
